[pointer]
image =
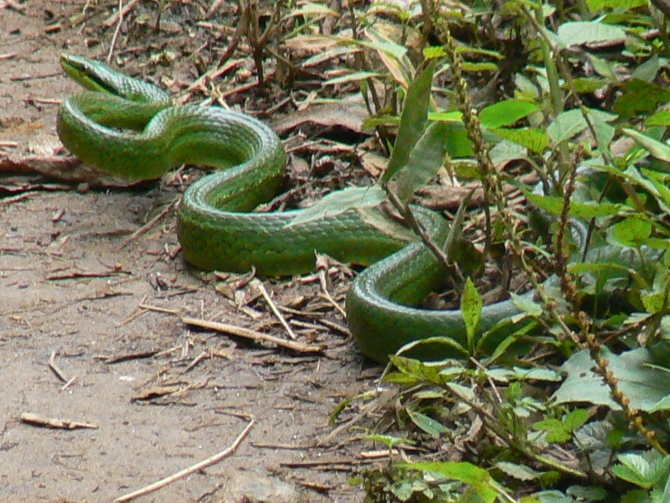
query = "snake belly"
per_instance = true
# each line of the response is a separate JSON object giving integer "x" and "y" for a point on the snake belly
{"x": 218, "y": 230}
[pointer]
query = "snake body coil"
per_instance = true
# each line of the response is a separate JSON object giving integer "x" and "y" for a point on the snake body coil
{"x": 217, "y": 229}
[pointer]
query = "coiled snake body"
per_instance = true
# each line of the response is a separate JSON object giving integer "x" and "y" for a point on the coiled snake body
{"x": 216, "y": 228}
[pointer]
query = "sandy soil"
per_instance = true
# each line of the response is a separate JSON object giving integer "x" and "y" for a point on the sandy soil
{"x": 161, "y": 395}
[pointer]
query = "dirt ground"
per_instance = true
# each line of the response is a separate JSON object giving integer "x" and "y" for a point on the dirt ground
{"x": 77, "y": 288}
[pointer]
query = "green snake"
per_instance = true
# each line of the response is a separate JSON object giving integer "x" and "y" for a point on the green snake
{"x": 218, "y": 230}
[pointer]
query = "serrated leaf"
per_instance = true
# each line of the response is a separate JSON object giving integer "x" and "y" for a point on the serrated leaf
{"x": 519, "y": 472}
{"x": 338, "y": 202}
{"x": 425, "y": 160}
{"x": 412, "y": 121}
{"x": 643, "y": 470}
{"x": 584, "y": 211}
{"x": 643, "y": 385}
{"x": 631, "y": 231}
{"x": 506, "y": 112}
{"x": 534, "y": 139}
{"x": 589, "y": 32}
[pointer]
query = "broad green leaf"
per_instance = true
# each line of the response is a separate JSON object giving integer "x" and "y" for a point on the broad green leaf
{"x": 604, "y": 133}
{"x": 657, "y": 149}
{"x": 587, "y": 493}
{"x": 431, "y": 426}
{"x": 506, "y": 112}
{"x": 523, "y": 374}
{"x": 553, "y": 497}
{"x": 661, "y": 118}
{"x": 455, "y": 116}
{"x": 425, "y": 160}
{"x": 644, "y": 386}
{"x": 588, "y": 85}
{"x": 478, "y": 478}
{"x": 647, "y": 71}
{"x": 585, "y": 211}
{"x": 556, "y": 431}
{"x": 519, "y": 472}
{"x": 417, "y": 369}
{"x": 643, "y": 470}
{"x": 589, "y": 32}
{"x": 339, "y": 202}
{"x": 640, "y": 96}
{"x": 569, "y": 124}
{"x": 566, "y": 126}
{"x": 534, "y": 139}
{"x": 598, "y": 5}
{"x": 471, "y": 306}
{"x": 527, "y": 304}
{"x": 412, "y": 121}
{"x": 458, "y": 143}
{"x": 631, "y": 231}
{"x": 505, "y": 151}
{"x": 604, "y": 68}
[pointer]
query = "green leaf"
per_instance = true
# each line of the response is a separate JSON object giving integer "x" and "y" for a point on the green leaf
{"x": 534, "y": 139}
{"x": 598, "y": 5}
{"x": 569, "y": 124}
{"x": 351, "y": 77}
{"x": 631, "y": 231}
{"x": 643, "y": 470}
{"x": 557, "y": 432}
{"x": 339, "y": 202}
{"x": 417, "y": 369}
{"x": 588, "y": 85}
{"x": 522, "y": 374}
{"x": 425, "y": 160}
{"x": 640, "y": 96}
{"x": 478, "y": 478}
{"x": 431, "y": 426}
{"x": 589, "y": 32}
{"x": 657, "y": 149}
{"x": 519, "y": 472}
{"x": 647, "y": 71}
{"x": 471, "y": 306}
{"x": 527, "y": 305}
{"x": 587, "y": 493}
{"x": 643, "y": 385}
{"x": 469, "y": 66}
{"x": 506, "y": 112}
{"x": 388, "y": 440}
{"x": 661, "y": 118}
{"x": 412, "y": 121}
{"x": 585, "y": 211}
